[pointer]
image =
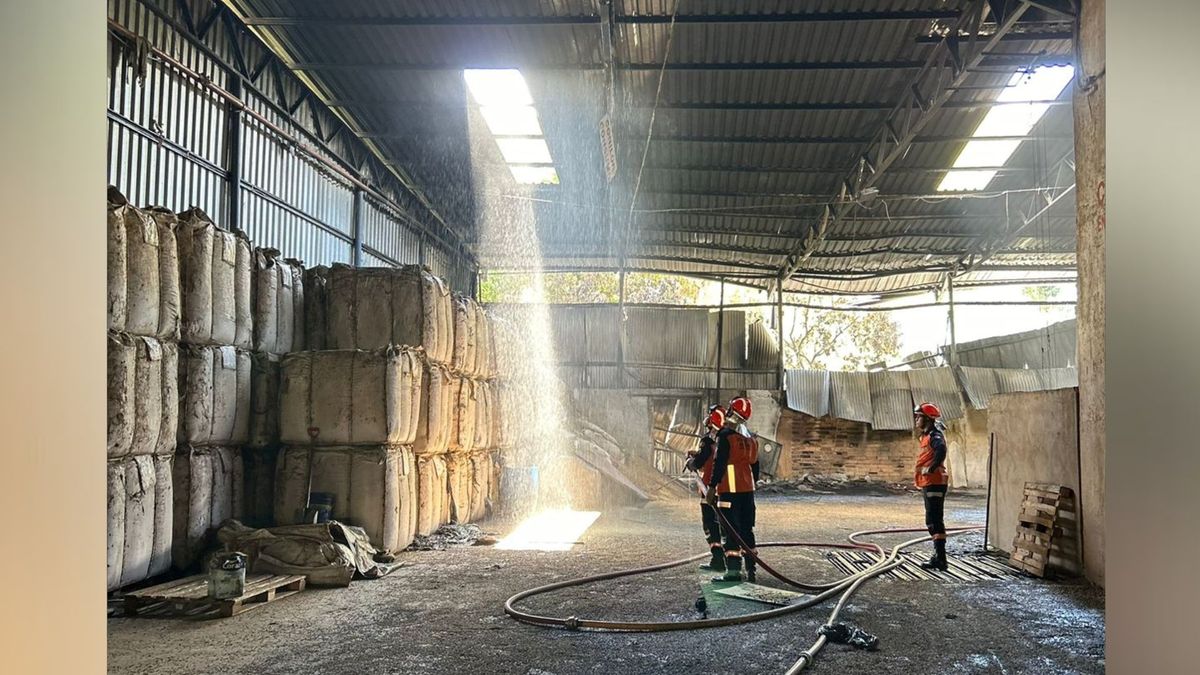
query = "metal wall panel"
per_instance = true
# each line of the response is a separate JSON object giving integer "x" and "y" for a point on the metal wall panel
{"x": 980, "y": 384}
{"x": 1011, "y": 380}
{"x": 275, "y": 226}
{"x": 937, "y": 386}
{"x": 891, "y": 400}
{"x": 808, "y": 391}
{"x": 850, "y": 396}
{"x": 387, "y": 234}
{"x": 169, "y": 144}
{"x": 666, "y": 336}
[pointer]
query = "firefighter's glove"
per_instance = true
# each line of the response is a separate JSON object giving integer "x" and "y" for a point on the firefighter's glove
{"x": 710, "y": 497}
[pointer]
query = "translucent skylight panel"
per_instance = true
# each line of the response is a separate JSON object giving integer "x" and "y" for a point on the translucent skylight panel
{"x": 1014, "y": 116}
{"x": 961, "y": 180}
{"x": 505, "y": 87}
{"x": 534, "y": 175}
{"x": 511, "y": 120}
{"x": 985, "y": 153}
{"x": 524, "y": 150}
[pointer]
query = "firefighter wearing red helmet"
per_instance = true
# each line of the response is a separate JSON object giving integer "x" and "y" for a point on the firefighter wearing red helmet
{"x": 702, "y": 461}
{"x": 731, "y": 489}
{"x": 932, "y": 479}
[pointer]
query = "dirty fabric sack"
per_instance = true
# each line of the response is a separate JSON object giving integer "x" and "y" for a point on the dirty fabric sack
{"x": 327, "y": 554}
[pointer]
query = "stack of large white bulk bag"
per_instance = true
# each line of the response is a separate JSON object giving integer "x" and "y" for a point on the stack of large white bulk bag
{"x": 351, "y": 397}
{"x": 316, "y": 308}
{"x": 373, "y": 487}
{"x": 279, "y": 324}
{"x": 143, "y": 395}
{"x": 208, "y": 491}
{"x": 373, "y": 308}
{"x": 348, "y": 419}
{"x": 216, "y": 282}
{"x": 279, "y": 307}
{"x": 216, "y": 267}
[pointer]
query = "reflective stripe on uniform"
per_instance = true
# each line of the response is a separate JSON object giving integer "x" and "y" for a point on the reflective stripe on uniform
{"x": 732, "y": 474}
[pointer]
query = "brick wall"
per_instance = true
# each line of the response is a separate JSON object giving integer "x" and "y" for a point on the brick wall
{"x": 834, "y": 446}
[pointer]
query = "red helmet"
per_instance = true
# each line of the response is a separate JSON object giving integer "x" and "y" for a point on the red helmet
{"x": 740, "y": 407}
{"x": 927, "y": 409}
{"x": 716, "y": 417}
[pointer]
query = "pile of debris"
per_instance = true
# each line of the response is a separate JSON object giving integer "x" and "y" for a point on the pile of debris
{"x": 832, "y": 484}
{"x": 450, "y": 536}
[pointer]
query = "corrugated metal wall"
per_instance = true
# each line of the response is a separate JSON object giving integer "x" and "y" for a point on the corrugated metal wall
{"x": 665, "y": 347}
{"x": 171, "y": 142}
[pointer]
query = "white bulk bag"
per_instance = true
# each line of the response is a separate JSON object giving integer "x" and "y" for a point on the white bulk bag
{"x": 264, "y": 400}
{"x": 438, "y": 402}
{"x": 216, "y": 283}
{"x": 208, "y": 490}
{"x": 350, "y": 397}
{"x": 374, "y": 307}
{"x": 370, "y": 486}
{"x": 122, "y": 378}
{"x": 214, "y": 385}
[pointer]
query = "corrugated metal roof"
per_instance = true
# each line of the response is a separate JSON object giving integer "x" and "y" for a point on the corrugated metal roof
{"x": 850, "y": 396}
{"x": 891, "y": 400}
{"x": 808, "y": 391}
{"x": 401, "y": 84}
{"x": 937, "y": 386}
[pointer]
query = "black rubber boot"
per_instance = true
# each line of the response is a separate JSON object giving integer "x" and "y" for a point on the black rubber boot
{"x": 717, "y": 564}
{"x": 733, "y": 569}
{"x": 751, "y": 568}
{"x": 938, "y": 561}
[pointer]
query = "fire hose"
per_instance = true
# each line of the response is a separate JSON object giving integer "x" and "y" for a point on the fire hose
{"x": 847, "y": 586}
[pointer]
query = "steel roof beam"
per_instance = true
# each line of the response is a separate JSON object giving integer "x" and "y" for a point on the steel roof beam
{"x": 420, "y": 21}
{"x": 832, "y": 170}
{"x": 408, "y": 104}
{"x": 989, "y": 61}
{"x": 848, "y": 140}
{"x": 791, "y": 17}
{"x": 947, "y": 67}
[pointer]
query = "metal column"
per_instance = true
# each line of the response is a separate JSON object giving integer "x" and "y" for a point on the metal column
{"x": 621, "y": 323}
{"x": 720, "y": 335}
{"x": 234, "y": 159}
{"x": 780, "y": 376}
{"x": 953, "y": 337}
{"x": 356, "y": 211}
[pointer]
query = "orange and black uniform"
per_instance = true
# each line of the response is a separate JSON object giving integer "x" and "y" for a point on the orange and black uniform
{"x": 703, "y": 460}
{"x": 735, "y": 471}
{"x": 933, "y": 484}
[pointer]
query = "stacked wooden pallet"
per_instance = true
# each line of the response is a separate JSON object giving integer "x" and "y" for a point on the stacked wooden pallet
{"x": 1037, "y": 526}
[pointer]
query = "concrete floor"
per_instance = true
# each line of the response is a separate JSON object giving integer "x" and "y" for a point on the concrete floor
{"x": 444, "y": 612}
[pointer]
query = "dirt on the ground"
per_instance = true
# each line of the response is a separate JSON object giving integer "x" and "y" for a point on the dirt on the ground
{"x": 443, "y": 612}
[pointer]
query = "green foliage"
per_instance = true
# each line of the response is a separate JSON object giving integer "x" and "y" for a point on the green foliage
{"x": 855, "y": 338}
{"x": 1042, "y": 294}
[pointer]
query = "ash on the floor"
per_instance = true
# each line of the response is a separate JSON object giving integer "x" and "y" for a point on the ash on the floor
{"x": 834, "y": 484}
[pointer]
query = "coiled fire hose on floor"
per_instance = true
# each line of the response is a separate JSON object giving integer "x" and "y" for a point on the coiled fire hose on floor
{"x": 847, "y": 586}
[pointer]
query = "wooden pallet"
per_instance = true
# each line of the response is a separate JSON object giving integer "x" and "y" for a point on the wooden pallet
{"x": 1037, "y": 526}
{"x": 962, "y": 568}
{"x": 189, "y": 596}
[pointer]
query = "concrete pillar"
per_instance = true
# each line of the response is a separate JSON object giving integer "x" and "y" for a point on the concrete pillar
{"x": 1088, "y": 104}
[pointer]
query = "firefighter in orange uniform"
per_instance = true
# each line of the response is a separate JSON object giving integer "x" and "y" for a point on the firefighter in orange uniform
{"x": 731, "y": 489}
{"x": 702, "y": 461}
{"x": 932, "y": 479}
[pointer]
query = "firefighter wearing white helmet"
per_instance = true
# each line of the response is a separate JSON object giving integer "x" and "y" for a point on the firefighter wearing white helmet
{"x": 731, "y": 489}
